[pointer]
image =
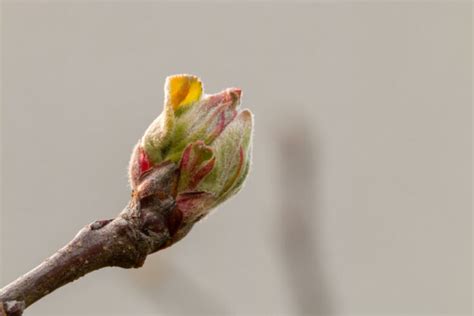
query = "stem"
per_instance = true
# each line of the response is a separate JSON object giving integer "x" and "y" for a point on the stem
{"x": 144, "y": 227}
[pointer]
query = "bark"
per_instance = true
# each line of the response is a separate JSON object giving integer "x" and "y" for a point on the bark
{"x": 145, "y": 226}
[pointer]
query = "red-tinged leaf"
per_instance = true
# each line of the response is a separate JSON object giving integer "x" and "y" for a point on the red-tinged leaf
{"x": 196, "y": 162}
{"x": 144, "y": 161}
{"x": 238, "y": 169}
{"x": 219, "y": 120}
{"x": 185, "y": 158}
{"x": 201, "y": 173}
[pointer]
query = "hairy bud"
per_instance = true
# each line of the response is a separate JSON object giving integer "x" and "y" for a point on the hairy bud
{"x": 207, "y": 137}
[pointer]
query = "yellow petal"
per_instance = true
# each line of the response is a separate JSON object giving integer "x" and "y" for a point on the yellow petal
{"x": 182, "y": 90}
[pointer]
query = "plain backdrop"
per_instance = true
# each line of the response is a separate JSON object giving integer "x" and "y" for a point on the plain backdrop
{"x": 359, "y": 199}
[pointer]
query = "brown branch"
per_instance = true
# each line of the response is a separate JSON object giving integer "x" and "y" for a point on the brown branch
{"x": 145, "y": 226}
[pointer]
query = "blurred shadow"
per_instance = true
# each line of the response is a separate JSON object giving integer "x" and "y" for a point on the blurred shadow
{"x": 299, "y": 214}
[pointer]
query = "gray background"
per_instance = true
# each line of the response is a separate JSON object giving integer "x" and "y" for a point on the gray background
{"x": 359, "y": 202}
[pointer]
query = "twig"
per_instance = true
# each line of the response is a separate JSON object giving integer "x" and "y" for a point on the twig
{"x": 144, "y": 227}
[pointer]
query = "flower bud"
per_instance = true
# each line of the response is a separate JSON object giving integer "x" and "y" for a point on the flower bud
{"x": 209, "y": 140}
